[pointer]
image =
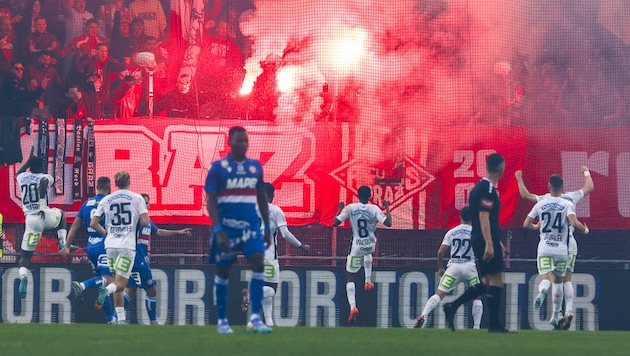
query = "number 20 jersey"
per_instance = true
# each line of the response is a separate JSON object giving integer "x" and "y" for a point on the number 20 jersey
{"x": 458, "y": 239}
{"x": 363, "y": 220}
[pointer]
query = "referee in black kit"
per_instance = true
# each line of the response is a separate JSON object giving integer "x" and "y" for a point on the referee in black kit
{"x": 484, "y": 209}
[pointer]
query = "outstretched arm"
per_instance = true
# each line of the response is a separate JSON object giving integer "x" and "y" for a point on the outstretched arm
{"x": 169, "y": 233}
{"x": 71, "y": 234}
{"x": 338, "y": 222}
{"x": 288, "y": 235}
{"x": 522, "y": 189}
{"x": 589, "y": 186}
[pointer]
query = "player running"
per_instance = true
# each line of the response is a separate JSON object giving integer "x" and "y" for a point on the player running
{"x": 553, "y": 213}
{"x": 363, "y": 219}
{"x": 461, "y": 268}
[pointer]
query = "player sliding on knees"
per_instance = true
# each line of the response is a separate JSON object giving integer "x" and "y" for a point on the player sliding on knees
{"x": 363, "y": 219}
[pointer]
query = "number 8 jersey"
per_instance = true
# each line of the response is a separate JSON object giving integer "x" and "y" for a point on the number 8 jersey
{"x": 122, "y": 210}
{"x": 363, "y": 219}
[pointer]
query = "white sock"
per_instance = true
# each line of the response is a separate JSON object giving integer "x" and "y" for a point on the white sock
{"x": 111, "y": 289}
{"x": 544, "y": 285}
{"x": 120, "y": 313}
{"x": 477, "y": 313}
{"x": 82, "y": 285}
{"x": 568, "y": 297}
{"x": 267, "y": 304}
{"x": 23, "y": 271}
{"x": 350, "y": 290}
{"x": 61, "y": 235}
{"x": 557, "y": 297}
{"x": 431, "y": 304}
{"x": 367, "y": 265}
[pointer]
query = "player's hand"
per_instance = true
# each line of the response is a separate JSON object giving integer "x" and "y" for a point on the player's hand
{"x": 267, "y": 235}
{"x": 305, "y": 247}
{"x": 187, "y": 231}
{"x": 586, "y": 230}
{"x": 341, "y": 205}
{"x": 385, "y": 203}
{"x": 223, "y": 241}
{"x": 488, "y": 254}
{"x": 65, "y": 250}
{"x": 504, "y": 250}
{"x": 584, "y": 169}
{"x": 441, "y": 271}
{"x": 518, "y": 174}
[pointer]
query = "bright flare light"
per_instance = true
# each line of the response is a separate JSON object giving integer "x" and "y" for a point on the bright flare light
{"x": 346, "y": 51}
{"x": 247, "y": 87}
{"x": 286, "y": 79}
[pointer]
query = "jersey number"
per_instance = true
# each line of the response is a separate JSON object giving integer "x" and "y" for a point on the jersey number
{"x": 122, "y": 214}
{"x": 362, "y": 224}
{"x": 461, "y": 245}
{"x": 557, "y": 222}
{"x": 30, "y": 193}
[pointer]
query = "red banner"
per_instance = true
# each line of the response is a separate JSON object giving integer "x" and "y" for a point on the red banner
{"x": 426, "y": 176}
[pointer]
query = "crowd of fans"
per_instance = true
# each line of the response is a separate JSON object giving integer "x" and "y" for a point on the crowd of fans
{"x": 79, "y": 59}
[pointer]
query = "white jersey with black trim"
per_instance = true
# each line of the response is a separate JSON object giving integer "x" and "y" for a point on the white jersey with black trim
{"x": 29, "y": 190}
{"x": 458, "y": 239}
{"x": 122, "y": 210}
{"x": 573, "y": 197}
{"x": 277, "y": 219}
{"x": 363, "y": 220}
{"x": 553, "y": 213}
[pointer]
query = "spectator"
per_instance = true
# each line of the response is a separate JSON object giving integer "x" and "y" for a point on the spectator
{"x": 81, "y": 46}
{"x": 96, "y": 100}
{"x": 17, "y": 98}
{"x": 179, "y": 102}
{"x": 107, "y": 15}
{"x": 40, "y": 40}
{"x": 43, "y": 75}
{"x": 138, "y": 35}
{"x": 6, "y": 44}
{"x": 76, "y": 19}
{"x": 123, "y": 45}
{"x": 100, "y": 63}
{"x": 152, "y": 13}
{"x": 53, "y": 11}
{"x": 159, "y": 72}
{"x": 27, "y": 24}
{"x": 127, "y": 92}
{"x": 71, "y": 105}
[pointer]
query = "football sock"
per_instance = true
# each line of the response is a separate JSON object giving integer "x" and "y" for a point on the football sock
{"x": 477, "y": 312}
{"x": 267, "y": 304}
{"x": 557, "y": 297}
{"x": 111, "y": 289}
{"x": 61, "y": 235}
{"x": 431, "y": 304}
{"x": 23, "y": 271}
{"x": 367, "y": 265}
{"x": 493, "y": 296}
{"x": 93, "y": 282}
{"x": 350, "y": 291}
{"x": 544, "y": 285}
{"x": 470, "y": 294}
{"x": 221, "y": 297}
{"x": 151, "y": 304}
{"x": 568, "y": 296}
{"x": 120, "y": 314}
{"x": 127, "y": 299}
{"x": 108, "y": 309}
{"x": 256, "y": 291}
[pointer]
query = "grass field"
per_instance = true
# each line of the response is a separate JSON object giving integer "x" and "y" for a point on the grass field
{"x": 85, "y": 339}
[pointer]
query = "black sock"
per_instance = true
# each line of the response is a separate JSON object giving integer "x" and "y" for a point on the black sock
{"x": 470, "y": 294}
{"x": 493, "y": 296}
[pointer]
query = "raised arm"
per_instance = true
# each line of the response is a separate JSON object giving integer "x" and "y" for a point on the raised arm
{"x": 340, "y": 207}
{"x": 388, "y": 214}
{"x": 589, "y": 186}
{"x": 522, "y": 189}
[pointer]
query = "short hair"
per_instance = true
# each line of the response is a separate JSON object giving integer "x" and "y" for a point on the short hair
{"x": 556, "y": 182}
{"x": 364, "y": 193}
{"x": 494, "y": 162}
{"x": 70, "y": 86}
{"x": 41, "y": 18}
{"x": 150, "y": 38}
{"x": 91, "y": 21}
{"x": 122, "y": 179}
{"x": 103, "y": 183}
{"x": 270, "y": 189}
{"x": 101, "y": 44}
{"x": 236, "y": 129}
{"x": 36, "y": 164}
{"x": 464, "y": 214}
{"x": 145, "y": 195}
{"x": 136, "y": 20}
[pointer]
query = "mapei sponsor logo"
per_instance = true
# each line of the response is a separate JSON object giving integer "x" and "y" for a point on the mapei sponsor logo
{"x": 241, "y": 183}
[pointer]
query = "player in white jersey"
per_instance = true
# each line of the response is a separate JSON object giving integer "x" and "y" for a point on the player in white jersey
{"x": 554, "y": 214}
{"x": 39, "y": 217}
{"x": 461, "y": 268}
{"x": 574, "y": 197}
{"x": 363, "y": 219}
{"x": 278, "y": 223}
{"x": 123, "y": 210}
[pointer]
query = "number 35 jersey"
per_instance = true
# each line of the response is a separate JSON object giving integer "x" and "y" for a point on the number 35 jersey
{"x": 122, "y": 210}
{"x": 363, "y": 220}
{"x": 458, "y": 239}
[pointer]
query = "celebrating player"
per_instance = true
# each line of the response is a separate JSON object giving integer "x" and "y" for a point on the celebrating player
{"x": 141, "y": 275}
{"x": 363, "y": 218}
{"x": 460, "y": 269}
{"x": 95, "y": 248}
{"x": 277, "y": 222}
{"x": 39, "y": 217}
{"x": 574, "y": 197}
{"x": 233, "y": 187}
{"x": 553, "y": 212}
{"x": 123, "y": 211}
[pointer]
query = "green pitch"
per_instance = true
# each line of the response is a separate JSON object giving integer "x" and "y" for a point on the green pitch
{"x": 86, "y": 339}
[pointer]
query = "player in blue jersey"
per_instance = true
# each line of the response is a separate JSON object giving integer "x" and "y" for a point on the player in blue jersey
{"x": 141, "y": 275}
{"x": 95, "y": 248}
{"x": 233, "y": 187}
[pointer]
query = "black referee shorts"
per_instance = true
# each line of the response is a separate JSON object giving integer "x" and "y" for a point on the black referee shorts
{"x": 495, "y": 265}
